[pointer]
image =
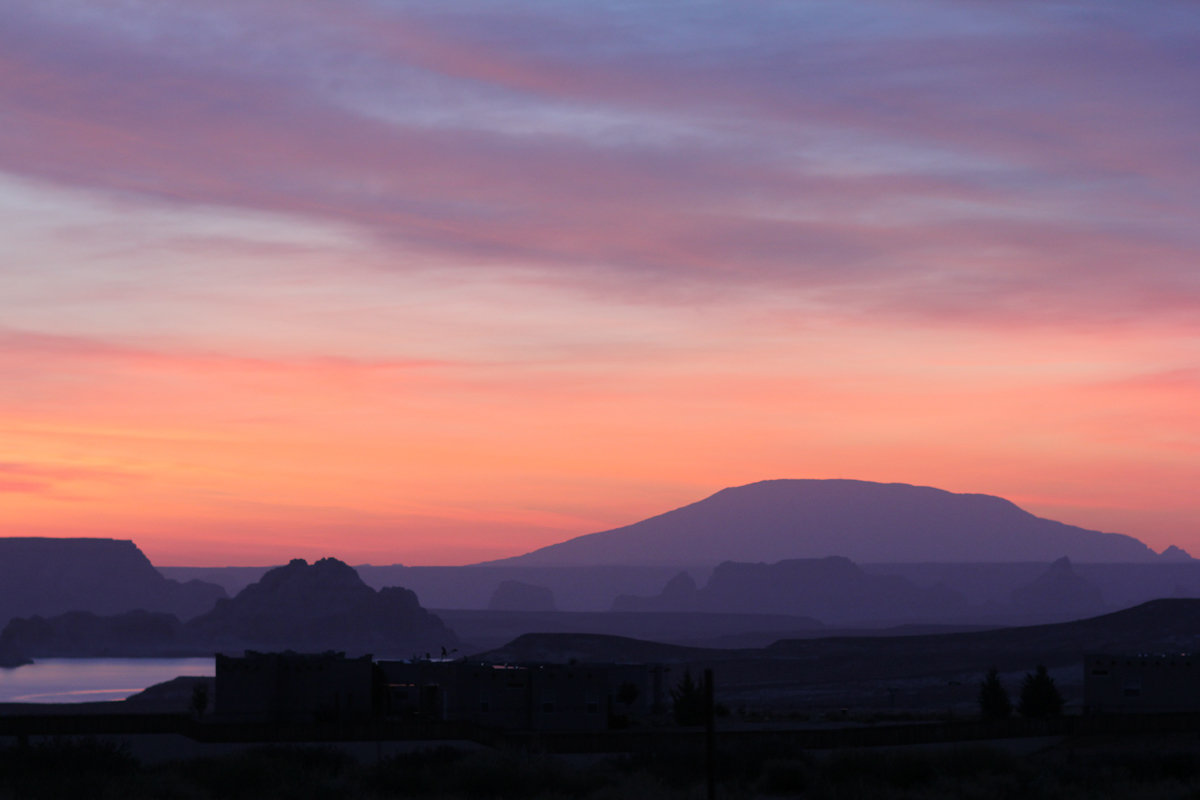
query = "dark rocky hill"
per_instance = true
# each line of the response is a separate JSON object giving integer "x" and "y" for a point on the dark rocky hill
{"x": 313, "y": 608}
{"x": 865, "y": 670}
{"x": 867, "y": 522}
{"x": 322, "y": 606}
{"x": 103, "y": 576}
{"x": 81, "y": 634}
{"x": 11, "y": 656}
{"x": 679, "y": 594}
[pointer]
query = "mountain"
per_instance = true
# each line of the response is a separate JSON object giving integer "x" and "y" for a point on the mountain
{"x": 881, "y": 671}
{"x": 1059, "y": 594}
{"x": 834, "y": 590}
{"x": 317, "y": 607}
{"x": 81, "y": 634}
{"x": 322, "y": 606}
{"x": 10, "y": 656}
{"x": 868, "y": 522}
{"x": 102, "y": 576}
{"x": 680, "y": 594}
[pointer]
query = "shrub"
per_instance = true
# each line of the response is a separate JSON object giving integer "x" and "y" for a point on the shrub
{"x": 993, "y": 697}
{"x": 1039, "y": 696}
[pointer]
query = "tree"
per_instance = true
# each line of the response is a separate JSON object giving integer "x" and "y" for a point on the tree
{"x": 689, "y": 704}
{"x": 199, "y": 699}
{"x": 1039, "y": 696}
{"x": 993, "y": 697}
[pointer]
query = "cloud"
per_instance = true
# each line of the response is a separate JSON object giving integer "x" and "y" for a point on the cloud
{"x": 1025, "y": 163}
{"x": 54, "y": 479}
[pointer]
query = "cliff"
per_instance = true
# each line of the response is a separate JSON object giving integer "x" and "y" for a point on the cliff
{"x": 47, "y": 577}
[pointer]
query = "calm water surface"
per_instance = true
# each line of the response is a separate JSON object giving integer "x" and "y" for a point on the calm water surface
{"x": 82, "y": 680}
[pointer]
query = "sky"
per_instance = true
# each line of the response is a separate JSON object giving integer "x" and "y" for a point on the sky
{"x": 437, "y": 282}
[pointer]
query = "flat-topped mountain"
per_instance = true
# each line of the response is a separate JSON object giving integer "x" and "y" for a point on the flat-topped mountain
{"x": 103, "y": 576}
{"x": 867, "y": 522}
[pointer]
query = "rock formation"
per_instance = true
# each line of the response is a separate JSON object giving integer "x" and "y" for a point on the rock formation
{"x": 81, "y": 634}
{"x": 10, "y": 656}
{"x": 323, "y": 606}
{"x": 103, "y": 576}
{"x": 834, "y": 590}
{"x": 1058, "y": 594}
{"x": 680, "y": 594}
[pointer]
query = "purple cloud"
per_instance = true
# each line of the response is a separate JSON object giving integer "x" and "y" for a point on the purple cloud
{"x": 948, "y": 159}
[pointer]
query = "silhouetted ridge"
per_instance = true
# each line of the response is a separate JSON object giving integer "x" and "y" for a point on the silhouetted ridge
{"x": 325, "y": 606}
{"x": 868, "y": 522}
{"x": 47, "y": 576}
{"x": 81, "y": 634}
{"x": 11, "y": 656}
{"x": 1059, "y": 593}
{"x": 833, "y": 590}
{"x": 858, "y": 664}
{"x": 679, "y": 594}
{"x": 1173, "y": 553}
{"x": 588, "y": 647}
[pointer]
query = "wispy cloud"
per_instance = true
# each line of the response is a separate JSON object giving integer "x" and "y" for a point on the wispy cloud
{"x": 324, "y": 255}
{"x": 772, "y": 146}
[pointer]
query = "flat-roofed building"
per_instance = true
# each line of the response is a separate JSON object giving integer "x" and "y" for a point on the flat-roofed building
{"x": 1141, "y": 683}
{"x": 295, "y": 687}
{"x": 562, "y": 697}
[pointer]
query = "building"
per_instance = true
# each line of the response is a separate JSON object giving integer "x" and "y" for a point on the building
{"x": 296, "y": 687}
{"x": 1143, "y": 683}
{"x": 547, "y": 697}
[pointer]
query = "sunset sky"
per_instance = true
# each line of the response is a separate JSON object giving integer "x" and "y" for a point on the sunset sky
{"x": 438, "y": 282}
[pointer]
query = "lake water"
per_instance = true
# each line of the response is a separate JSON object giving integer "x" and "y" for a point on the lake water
{"x": 84, "y": 680}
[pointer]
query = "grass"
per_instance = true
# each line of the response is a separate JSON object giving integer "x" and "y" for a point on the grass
{"x": 95, "y": 769}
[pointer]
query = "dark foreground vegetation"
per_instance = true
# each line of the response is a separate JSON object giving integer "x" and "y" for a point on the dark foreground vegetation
{"x": 1165, "y": 768}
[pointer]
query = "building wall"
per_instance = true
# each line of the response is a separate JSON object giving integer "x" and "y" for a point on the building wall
{"x": 1141, "y": 683}
{"x": 526, "y": 697}
{"x": 294, "y": 687}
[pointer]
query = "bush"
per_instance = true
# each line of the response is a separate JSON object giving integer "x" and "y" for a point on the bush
{"x": 993, "y": 697}
{"x": 1039, "y": 696}
{"x": 689, "y": 704}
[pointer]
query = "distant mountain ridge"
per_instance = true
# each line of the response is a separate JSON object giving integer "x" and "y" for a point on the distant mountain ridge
{"x": 49, "y": 576}
{"x": 300, "y": 606}
{"x": 832, "y": 589}
{"x": 1160, "y": 626}
{"x": 866, "y": 522}
{"x": 321, "y": 606}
